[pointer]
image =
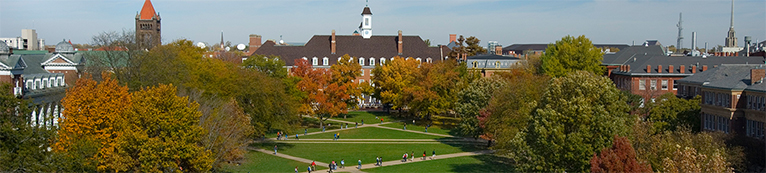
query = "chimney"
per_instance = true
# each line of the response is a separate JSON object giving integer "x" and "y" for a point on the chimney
{"x": 659, "y": 68}
{"x": 648, "y": 68}
{"x": 736, "y": 54}
{"x": 670, "y": 69}
{"x": 452, "y": 38}
{"x": 622, "y": 68}
{"x": 682, "y": 69}
{"x": 400, "y": 43}
{"x": 704, "y": 67}
{"x": 255, "y": 43}
{"x": 498, "y": 50}
{"x": 694, "y": 69}
{"x": 757, "y": 75}
{"x": 332, "y": 43}
{"x": 628, "y": 69}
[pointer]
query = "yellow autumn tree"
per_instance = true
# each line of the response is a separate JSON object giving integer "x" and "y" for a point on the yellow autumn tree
{"x": 89, "y": 126}
{"x": 162, "y": 134}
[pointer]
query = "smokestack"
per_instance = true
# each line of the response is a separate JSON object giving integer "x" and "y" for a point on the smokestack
{"x": 694, "y": 42}
{"x": 400, "y": 42}
{"x": 452, "y": 38}
{"x": 332, "y": 43}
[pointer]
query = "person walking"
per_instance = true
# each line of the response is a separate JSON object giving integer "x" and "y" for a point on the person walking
{"x": 279, "y": 135}
{"x": 413, "y": 156}
{"x": 424, "y": 156}
{"x": 275, "y": 149}
{"x": 334, "y": 166}
{"x": 342, "y": 163}
{"x": 286, "y": 137}
{"x": 322, "y": 128}
{"x": 381, "y": 161}
{"x": 360, "y": 163}
{"x": 404, "y": 157}
{"x": 346, "y": 125}
{"x": 334, "y": 136}
{"x": 330, "y": 166}
{"x": 362, "y": 121}
{"x": 296, "y": 169}
{"x": 381, "y": 121}
{"x": 309, "y": 169}
{"x": 305, "y": 131}
{"x": 313, "y": 165}
{"x": 377, "y": 160}
{"x": 405, "y": 126}
{"x": 433, "y": 154}
{"x": 296, "y": 137}
{"x": 356, "y": 125}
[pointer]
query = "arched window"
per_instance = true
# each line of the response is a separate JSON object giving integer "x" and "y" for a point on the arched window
{"x": 418, "y": 59}
{"x": 325, "y": 61}
{"x": 29, "y": 84}
{"x": 314, "y": 61}
{"x": 428, "y": 60}
{"x": 361, "y": 61}
{"x": 497, "y": 64}
{"x": 54, "y": 82}
{"x": 372, "y": 61}
{"x": 45, "y": 83}
{"x": 304, "y": 58}
{"x": 475, "y": 64}
{"x": 382, "y": 61}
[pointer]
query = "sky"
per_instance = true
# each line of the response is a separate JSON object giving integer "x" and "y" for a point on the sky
{"x": 505, "y": 21}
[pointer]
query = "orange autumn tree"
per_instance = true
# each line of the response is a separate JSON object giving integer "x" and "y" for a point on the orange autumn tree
{"x": 329, "y": 92}
{"x": 89, "y": 126}
{"x": 621, "y": 157}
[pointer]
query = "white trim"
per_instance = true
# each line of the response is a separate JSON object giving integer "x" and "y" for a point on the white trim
{"x": 60, "y": 68}
{"x": 48, "y": 62}
{"x": 4, "y": 72}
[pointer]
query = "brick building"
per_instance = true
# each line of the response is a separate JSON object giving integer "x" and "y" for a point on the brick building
{"x": 733, "y": 98}
{"x": 148, "y": 28}
{"x": 647, "y": 71}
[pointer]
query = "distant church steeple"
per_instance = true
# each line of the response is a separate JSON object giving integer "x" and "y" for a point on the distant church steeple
{"x": 148, "y": 32}
{"x": 731, "y": 39}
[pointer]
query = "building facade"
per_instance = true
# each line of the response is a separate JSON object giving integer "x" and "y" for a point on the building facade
{"x": 733, "y": 98}
{"x": 148, "y": 26}
{"x": 489, "y": 64}
{"x": 27, "y": 41}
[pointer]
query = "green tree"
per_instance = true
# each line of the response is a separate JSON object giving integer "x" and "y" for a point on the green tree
{"x": 474, "y": 98}
{"x": 394, "y": 79}
{"x": 270, "y": 65}
{"x": 571, "y": 54}
{"x": 471, "y": 47}
{"x": 577, "y": 116}
{"x": 436, "y": 87}
{"x": 669, "y": 112}
{"x": 24, "y": 147}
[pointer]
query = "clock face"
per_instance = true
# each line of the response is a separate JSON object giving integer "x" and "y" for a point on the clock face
{"x": 366, "y": 32}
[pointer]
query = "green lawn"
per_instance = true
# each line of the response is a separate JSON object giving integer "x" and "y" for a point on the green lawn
{"x": 419, "y": 128}
{"x": 368, "y": 117}
{"x": 261, "y": 162}
{"x": 372, "y": 133}
{"x": 480, "y": 163}
{"x": 326, "y": 152}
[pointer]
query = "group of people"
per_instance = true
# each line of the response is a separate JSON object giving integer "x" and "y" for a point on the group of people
{"x": 280, "y": 134}
{"x": 336, "y": 136}
{"x": 411, "y": 156}
{"x": 378, "y": 161}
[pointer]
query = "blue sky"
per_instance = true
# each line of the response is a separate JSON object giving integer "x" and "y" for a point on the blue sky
{"x": 506, "y": 21}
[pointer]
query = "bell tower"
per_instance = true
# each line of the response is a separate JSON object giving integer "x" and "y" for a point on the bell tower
{"x": 366, "y": 26}
{"x": 148, "y": 32}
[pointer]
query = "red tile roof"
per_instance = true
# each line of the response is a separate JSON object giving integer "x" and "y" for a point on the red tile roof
{"x": 147, "y": 12}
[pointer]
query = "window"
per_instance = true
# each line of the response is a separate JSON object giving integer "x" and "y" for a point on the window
{"x": 361, "y": 61}
{"x": 429, "y": 60}
{"x": 61, "y": 81}
{"x": 723, "y": 124}
{"x": 475, "y": 64}
{"x": 325, "y": 61}
{"x": 37, "y": 85}
{"x": 641, "y": 84}
{"x": 754, "y": 129}
{"x": 361, "y": 81}
{"x": 664, "y": 84}
{"x": 314, "y": 61}
{"x": 418, "y": 59}
{"x": 29, "y": 85}
{"x": 372, "y": 61}
{"x": 382, "y": 61}
{"x": 366, "y": 21}
{"x": 675, "y": 85}
{"x": 45, "y": 84}
{"x": 362, "y": 70}
{"x": 54, "y": 82}
{"x": 653, "y": 85}
{"x": 497, "y": 64}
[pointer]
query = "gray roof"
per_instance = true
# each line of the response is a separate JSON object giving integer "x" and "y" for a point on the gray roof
{"x": 64, "y": 46}
{"x": 4, "y": 49}
{"x": 629, "y": 52}
{"x": 727, "y": 76}
{"x": 490, "y": 61}
{"x": 366, "y": 11}
{"x": 639, "y": 62}
{"x": 520, "y": 48}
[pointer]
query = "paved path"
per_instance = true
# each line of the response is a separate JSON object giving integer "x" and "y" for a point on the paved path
{"x": 399, "y": 161}
{"x": 289, "y": 156}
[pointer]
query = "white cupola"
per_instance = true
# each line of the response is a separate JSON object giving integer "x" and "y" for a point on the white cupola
{"x": 366, "y": 26}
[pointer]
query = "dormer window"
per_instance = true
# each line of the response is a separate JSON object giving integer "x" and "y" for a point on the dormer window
{"x": 29, "y": 84}
{"x": 428, "y": 60}
{"x": 418, "y": 59}
{"x": 314, "y": 61}
{"x": 475, "y": 64}
{"x": 372, "y": 61}
{"x": 497, "y": 64}
{"x": 325, "y": 61}
{"x": 382, "y": 61}
{"x": 361, "y": 61}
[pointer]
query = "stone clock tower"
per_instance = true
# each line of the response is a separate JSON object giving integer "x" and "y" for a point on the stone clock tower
{"x": 148, "y": 33}
{"x": 366, "y": 26}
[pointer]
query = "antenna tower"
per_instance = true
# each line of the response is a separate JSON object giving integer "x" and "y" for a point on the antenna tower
{"x": 679, "y": 42}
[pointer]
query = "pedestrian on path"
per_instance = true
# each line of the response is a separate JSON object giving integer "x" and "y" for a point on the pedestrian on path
{"x": 296, "y": 169}
{"x": 356, "y": 125}
{"x": 275, "y": 149}
{"x": 313, "y": 165}
{"x": 334, "y": 136}
{"x": 305, "y": 131}
{"x": 405, "y": 126}
{"x": 286, "y": 137}
{"x": 329, "y": 166}
{"x": 433, "y": 154}
{"x": 413, "y": 156}
{"x": 360, "y": 163}
{"x": 279, "y": 135}
{"x": 377, "y": 161}
{"x": 381, "y": 121}
{"x": 424, "y": 156}
{"x": 362, "y": 121}
{"x": 346, "y": 125}
{"x": 342, "y": 163}
{"x": 334, "y": 166}
{"x": 322, "y": 128}
{"x": 404, "y": 157}
{"x": 413, "y": 122}
{"x": 309, "y": 168}
{"x": 381, "y": 161}
{"x": 296, "y": 137}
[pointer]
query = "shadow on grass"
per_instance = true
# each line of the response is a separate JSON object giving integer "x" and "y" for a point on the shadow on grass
{"x": 269, "y": 145}
{"x": 491, "y": 163}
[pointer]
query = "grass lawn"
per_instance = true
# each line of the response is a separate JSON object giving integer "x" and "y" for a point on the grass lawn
{"x": 419, "y": 128}
{"x": 372, "y": 133}
{"x": 368, "y": 117}
{"x": 261, "y": 162}
{"x": 326, "y": 152}
{"x": 480, "y": 163}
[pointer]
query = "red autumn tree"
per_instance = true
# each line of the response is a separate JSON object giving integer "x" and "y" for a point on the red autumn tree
{"x": 328, "y": 91}
{"x": 619, "y": 158}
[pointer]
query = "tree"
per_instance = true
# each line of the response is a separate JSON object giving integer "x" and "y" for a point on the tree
{"x": 510, "y": 109}
{"x": 343, "y": 75}
{"x": 669, "y": 112}
{"x": 329, "y": 92}
{"x": 91, "y": 118}
{"x": 473, "y": 99}
{"x": 688, "y": 160}
{"x": 162, "y": 133}
{"x": 114, "y": 52}
{"x": 577, "y": 116}
{"x": 471, "y": 48}
{"x": 393, "y": 80}
{"x": 619, "y": 158}
{"x": 24, "y": 147}
{"x": 436, "y": 88}
{"x": 273, "y": 66}
{"x": 571, "y": 54}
